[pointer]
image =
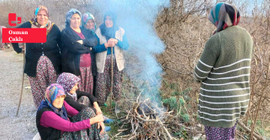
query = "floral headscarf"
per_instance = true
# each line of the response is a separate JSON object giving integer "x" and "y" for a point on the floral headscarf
{"x": 35, "y": 24}
{"x": 51, "y": 93}
{"x": 224, "y": 15}
{"x": 41, "y": 7}
{"x": 68, "y": 81}
{"x": 86, "y": 17}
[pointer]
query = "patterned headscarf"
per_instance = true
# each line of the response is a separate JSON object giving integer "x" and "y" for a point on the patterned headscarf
{"x": 70, "y": 13}
{"x": 35, "y": 24}
{"x": 68, "y": 81}
{"x": 86, "y": 17}
{"x": 224, "y": 15}
{"x": 51, "y": 93}
{"x": 41, "y": 7}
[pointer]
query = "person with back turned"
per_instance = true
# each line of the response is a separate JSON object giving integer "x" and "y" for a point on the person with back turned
{"x": 224, "y": 72}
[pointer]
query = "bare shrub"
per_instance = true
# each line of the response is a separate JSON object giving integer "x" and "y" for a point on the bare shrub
{"x": 185, "y": 35}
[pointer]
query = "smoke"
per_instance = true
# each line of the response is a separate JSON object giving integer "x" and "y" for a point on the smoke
{"x": 137, "y": 17}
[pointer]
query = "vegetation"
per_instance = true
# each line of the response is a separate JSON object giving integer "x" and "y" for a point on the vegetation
{"x": 184, "y": 28}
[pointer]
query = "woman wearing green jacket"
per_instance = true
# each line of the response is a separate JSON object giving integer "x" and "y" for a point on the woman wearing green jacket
{"x": 224, "y": 72}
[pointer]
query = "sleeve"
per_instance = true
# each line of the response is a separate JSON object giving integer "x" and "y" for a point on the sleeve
{"x": 59, "y": 41}
{"x": 208, "y": 58}
{"x": 16, "y": 45}
{"x": 72, "y": 45}
{"x": 74, "y": 104}
{"x": 50, "y": 119}
{"x": 90, "y": 96}
{"x": 123, "y": 44}
{"x": 53, "y": 42}
{"x": 70, "y": 110}
{"x": 91, "y": 40}
{"x": 100, "y": 47}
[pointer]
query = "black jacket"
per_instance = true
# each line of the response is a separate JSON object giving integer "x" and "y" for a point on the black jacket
{"x": 50, "y": 49}
{"x": 77, "y": 105}
{"x": 72, "y": 50}
{"x": 92, "y": 36}
{"x": 46, "y": 133}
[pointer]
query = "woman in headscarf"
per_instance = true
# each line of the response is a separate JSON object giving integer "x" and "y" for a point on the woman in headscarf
{"x": 112, "y": 41}
{"x": 88, "y": 22}
{"x": 89, "y": 27}
{"x": 42, "y": 60}
{"x": 224, "y": 72}
{"x": 53, "y": 120}
{"x": 75, "y": 97}
{"x": 79, "y": 99}
{"x": 76, "y": 57}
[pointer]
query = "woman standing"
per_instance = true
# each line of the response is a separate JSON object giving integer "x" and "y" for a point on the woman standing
{"x": 89, "y": 27}
{"x": 42, "y": 60}
{"x": 224, "y": 72}
{"x": 110, "y": 37}
{"x": 76, "y": 57}
{"x": 53, "y": 120}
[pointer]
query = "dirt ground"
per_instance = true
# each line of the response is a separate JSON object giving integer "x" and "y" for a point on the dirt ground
{"x": 22, "y": 127}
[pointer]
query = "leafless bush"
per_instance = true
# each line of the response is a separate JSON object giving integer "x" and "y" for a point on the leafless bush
{"x": 185, "y": 35}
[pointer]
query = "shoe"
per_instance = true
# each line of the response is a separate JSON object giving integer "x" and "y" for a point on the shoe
{"x": 108, "y": 120}
{"x": 107, "y": 128}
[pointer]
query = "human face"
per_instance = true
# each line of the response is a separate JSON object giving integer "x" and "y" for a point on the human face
{"x": 74, "y": 89}
{"x": 42, "y": 17}
{"x": 75, "y": 21}
{"x": 90, "y": 24}
{"x": 59, "y": 101}
{"x": 108, "y": 22}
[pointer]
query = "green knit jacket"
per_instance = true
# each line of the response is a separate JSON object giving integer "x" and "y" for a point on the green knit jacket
{"x": 224, "y": 72}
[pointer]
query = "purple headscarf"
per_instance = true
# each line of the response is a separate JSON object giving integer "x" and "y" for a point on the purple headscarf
{"x": 68, "y": 81}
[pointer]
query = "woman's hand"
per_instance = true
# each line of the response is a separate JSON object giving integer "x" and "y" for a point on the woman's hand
{"x": 98, "y": 110}
{"x": 96, "y": 119}
{"x": 80, "y": 41}
{"x": 113, "y": 41}
{"x": 109, "y": 44}
{"x": 102, "y": 126}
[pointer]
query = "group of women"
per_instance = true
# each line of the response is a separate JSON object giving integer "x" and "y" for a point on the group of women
{"x": 78, "y": 62}
{"x": 70, "y": 74}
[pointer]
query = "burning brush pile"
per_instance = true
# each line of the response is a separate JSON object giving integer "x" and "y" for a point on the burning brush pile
{"x": 142, "y": 120}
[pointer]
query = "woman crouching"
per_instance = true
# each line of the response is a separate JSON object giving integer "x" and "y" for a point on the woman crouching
{"x": 53, "y": 120}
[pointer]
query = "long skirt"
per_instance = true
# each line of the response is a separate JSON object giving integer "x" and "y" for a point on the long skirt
{"x": 103, "y": 83}
{"x": 45, "y": 76}
{"x": 215, "y": 133}
{"x": 93, "y": 133}
{"x": 86, "y": 83}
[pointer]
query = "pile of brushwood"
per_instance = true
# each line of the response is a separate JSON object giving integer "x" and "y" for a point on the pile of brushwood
{"x": 140, "y": 119}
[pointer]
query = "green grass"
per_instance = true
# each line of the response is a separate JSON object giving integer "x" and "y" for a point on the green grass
{"x": 108, "y": 111}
